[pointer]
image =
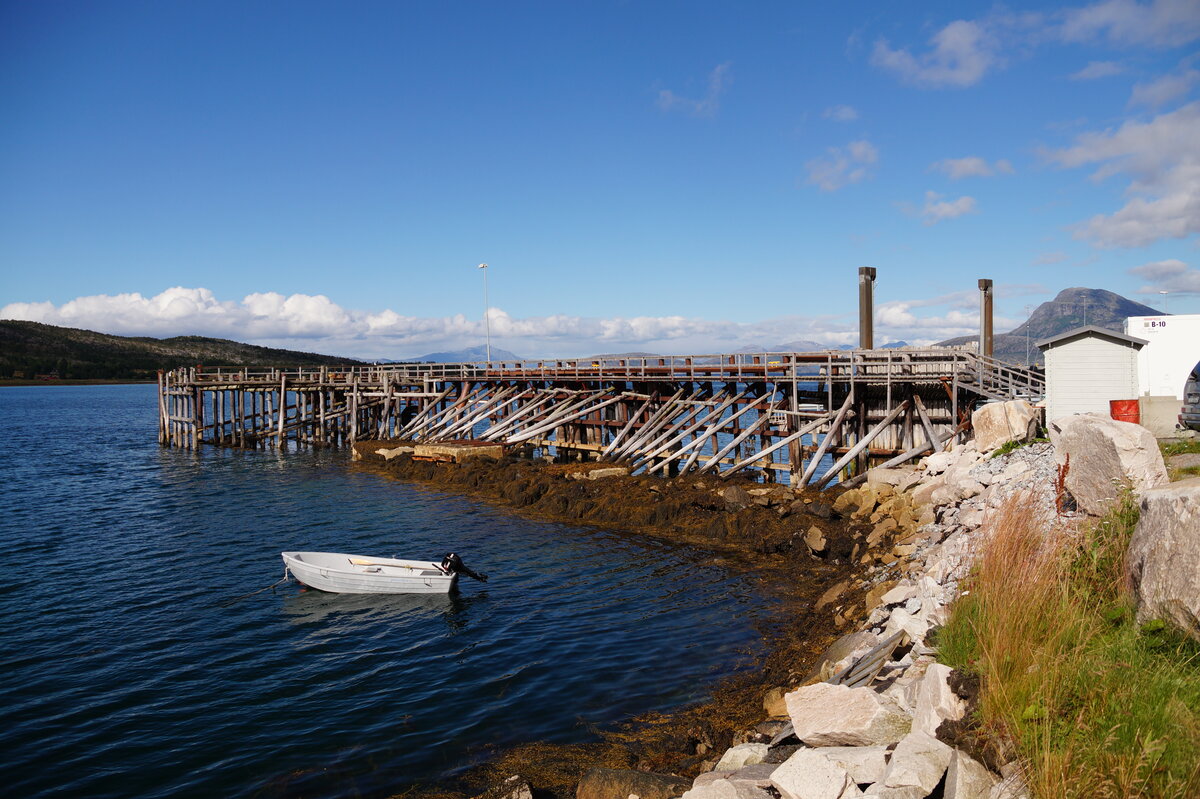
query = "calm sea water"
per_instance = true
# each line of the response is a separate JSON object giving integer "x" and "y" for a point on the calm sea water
{"x": 132, "y": 669}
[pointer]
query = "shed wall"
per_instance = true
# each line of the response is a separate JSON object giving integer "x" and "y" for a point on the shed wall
{"x": 1084, "y": 374}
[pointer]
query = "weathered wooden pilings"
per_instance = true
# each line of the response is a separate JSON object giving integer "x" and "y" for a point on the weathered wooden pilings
{"x": 803, "y": 417}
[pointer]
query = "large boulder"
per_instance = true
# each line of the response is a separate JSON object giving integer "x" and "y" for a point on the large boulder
{"x": 1164, "y": 555}
{"x": 808, "y": 774}
{"x": 918, "y": 761}
{"x": 1105, "y": 457}
{"x": 935, "y": 702}
{"x": 836, "y": 715}
{"x": 1000, "y": 422}
{"x": 608, "y": 783}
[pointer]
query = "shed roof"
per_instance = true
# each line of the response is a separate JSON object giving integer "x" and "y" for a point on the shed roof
{"x": 1092, "y": 331}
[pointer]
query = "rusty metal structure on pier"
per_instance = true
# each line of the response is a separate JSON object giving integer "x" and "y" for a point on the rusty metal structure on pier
{"x": 806, "y": 418}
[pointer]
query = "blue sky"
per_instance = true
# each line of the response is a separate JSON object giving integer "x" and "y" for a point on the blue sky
{"x": 671, "y": 177}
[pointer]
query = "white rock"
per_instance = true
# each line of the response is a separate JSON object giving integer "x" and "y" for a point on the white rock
{"x": 742, "y": 755}
{"x": 967, "y": 778}
{"x": 1104, "y": 456}
{"x": 999, "y": 422}
{"x": 881, "y": 791}
{"x": 807, "y": 774}
{"x": 758, "y": 775}
{"x": 970, "y": 517}
{"x": 938, "y": 461}
{"x": 835, "y": 715}
{"x": 712, "y": 789}
{"x": 935, "y": 702}
{"x": 1163, "y": 560}
{"x": 901, "y": 593}
{"x": 919, "y": 760}
{"x": 864, "y": 764}
{"x": 1013, "y": 470}
{"x": 901, "y": 619}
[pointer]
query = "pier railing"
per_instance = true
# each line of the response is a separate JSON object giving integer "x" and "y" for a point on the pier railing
{"x": 994, "y": 379}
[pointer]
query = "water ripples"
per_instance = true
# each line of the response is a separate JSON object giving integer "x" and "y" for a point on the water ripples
{"x": 135, "y": 665}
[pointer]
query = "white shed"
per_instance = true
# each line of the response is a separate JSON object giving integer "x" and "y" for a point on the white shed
{"x": 1088, "y": 366}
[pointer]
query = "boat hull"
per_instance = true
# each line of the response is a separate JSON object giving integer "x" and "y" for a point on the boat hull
{"x": 340, "y": 573}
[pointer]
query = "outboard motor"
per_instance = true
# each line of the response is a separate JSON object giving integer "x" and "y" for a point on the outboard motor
{"x": 453, "y": 564}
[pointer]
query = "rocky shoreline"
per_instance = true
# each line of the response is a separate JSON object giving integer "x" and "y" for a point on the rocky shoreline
{"x": 851, "y": 701}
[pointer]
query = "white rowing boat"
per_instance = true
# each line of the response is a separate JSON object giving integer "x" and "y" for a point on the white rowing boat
{"x": 356, "y": 574}
{"x": 340, "y": 573}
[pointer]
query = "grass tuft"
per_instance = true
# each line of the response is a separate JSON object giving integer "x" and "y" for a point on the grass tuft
{"x": 1179, "y": 447}
{"x": 1095, "y": 704}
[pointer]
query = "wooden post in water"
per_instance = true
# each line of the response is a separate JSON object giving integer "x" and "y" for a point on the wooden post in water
{"x": 280, "y": 439}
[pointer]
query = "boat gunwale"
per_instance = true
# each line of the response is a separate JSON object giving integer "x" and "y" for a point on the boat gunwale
{"x": 287, "y": 559}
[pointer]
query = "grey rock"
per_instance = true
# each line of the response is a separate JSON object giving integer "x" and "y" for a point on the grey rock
{"x": 1105, "y": 457}
{"x": 735, "y": 498}
{"x": 1163, "y": 560}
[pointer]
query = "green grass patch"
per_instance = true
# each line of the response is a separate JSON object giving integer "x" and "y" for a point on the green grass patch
{"x": 1012, "y": 446}
{"x": 1179, "y": 447}
{"x": 1096, "y": 704}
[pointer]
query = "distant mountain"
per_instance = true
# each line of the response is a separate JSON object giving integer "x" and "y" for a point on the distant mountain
{"x": 1073, "y": 307}
{"x": 32, "y": 348}
{"x": 468, "y": 355}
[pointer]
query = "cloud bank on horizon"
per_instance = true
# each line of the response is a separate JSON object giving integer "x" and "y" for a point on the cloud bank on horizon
{"x": 315, "y": 323}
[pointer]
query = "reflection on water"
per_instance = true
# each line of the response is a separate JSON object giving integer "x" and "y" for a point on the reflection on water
{"x": 346, "y": 612}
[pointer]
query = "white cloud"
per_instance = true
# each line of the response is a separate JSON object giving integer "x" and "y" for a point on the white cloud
{"x": 315, "y": 323}
{"x": 840, "y": 113}
{"x": 1098, "y": 69}
{"x": 842, "y": 166}
{"x": 959, "y": 55}
{"x": 1164, "y": 89}
{"x": 1159, "y": 23}
{"x": 972, "y": 166}
{"x": 1162, "y": 159}
{"x": 1173, "y": 276}
{"x": 936, "y": 209}
{"x": 718, "y": 81}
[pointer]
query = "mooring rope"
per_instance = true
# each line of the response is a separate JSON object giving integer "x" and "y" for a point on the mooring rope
{"x": 273, "y": 585}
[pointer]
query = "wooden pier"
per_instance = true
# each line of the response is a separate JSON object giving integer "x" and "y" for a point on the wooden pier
{"x": 799, "y": 417}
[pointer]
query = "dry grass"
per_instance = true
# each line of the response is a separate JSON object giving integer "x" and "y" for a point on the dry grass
{"x": 1095, "y": 705}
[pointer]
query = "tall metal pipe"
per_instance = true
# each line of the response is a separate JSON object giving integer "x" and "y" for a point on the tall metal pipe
{"x": 866, "y": 307}
{"x": 985, "y": 317}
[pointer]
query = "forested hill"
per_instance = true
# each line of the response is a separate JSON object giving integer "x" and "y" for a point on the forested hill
{"x": 31, "y": 349}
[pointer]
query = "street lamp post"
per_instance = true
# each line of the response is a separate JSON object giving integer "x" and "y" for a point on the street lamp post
{"x": 487, "y": 320}
{"x": 1164, "y": 296}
